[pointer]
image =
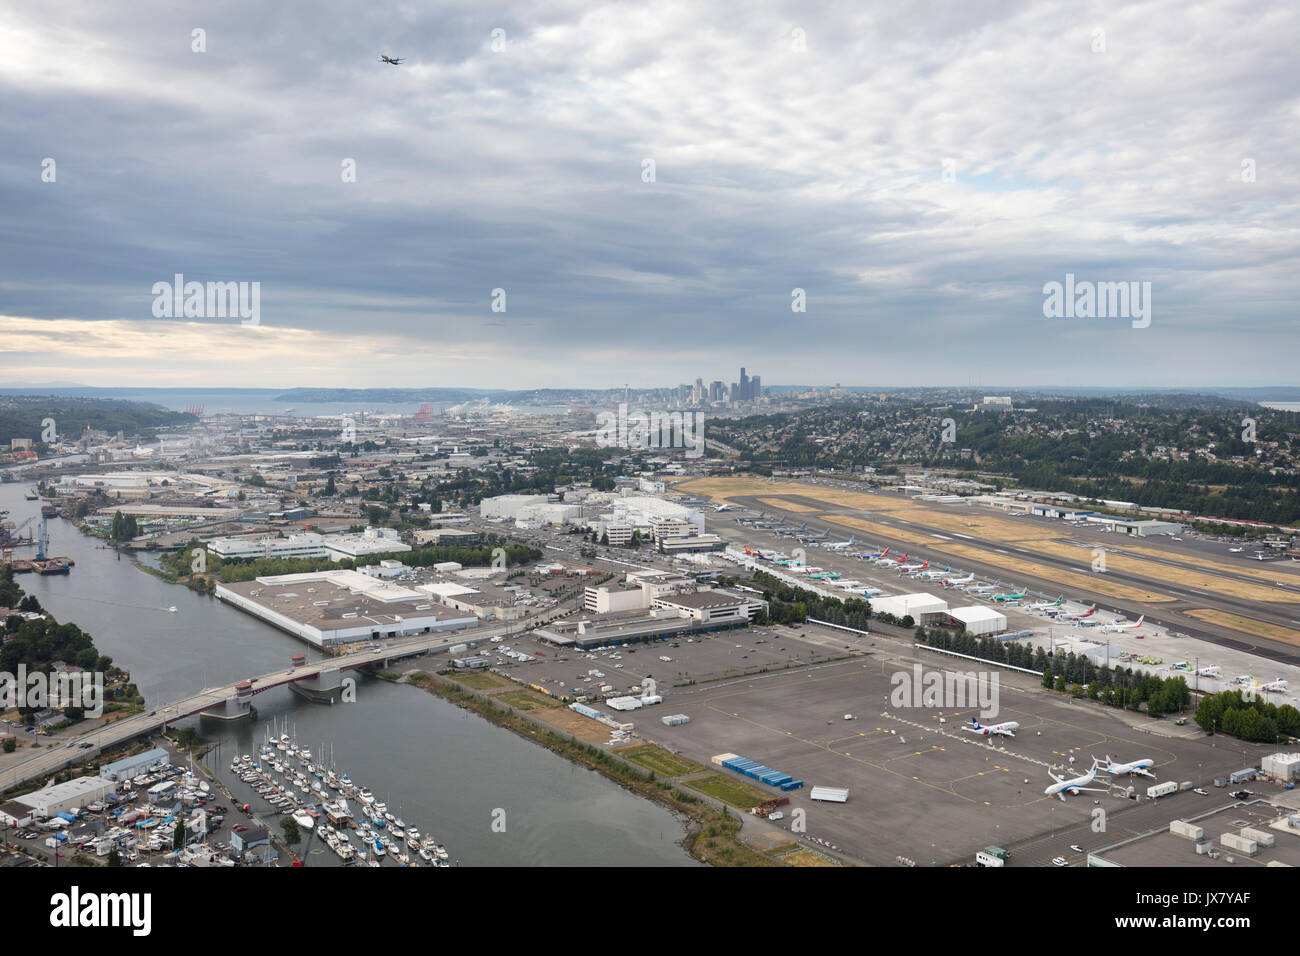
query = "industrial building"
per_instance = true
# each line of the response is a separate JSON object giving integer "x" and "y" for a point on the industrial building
{"x": 134, "y": 766}
{"x": 1281, "y": 766}
{"x": 327, "y": 608}
{"x": 63, "y": 797}
{"x": 529, "y": 511}
{"x": 979, "y": 620}
{"x": 458, "y": 537}
{"x": 710, "y": 607}
{"x": 921, "y": 607}
{"x": 309, "y": 544}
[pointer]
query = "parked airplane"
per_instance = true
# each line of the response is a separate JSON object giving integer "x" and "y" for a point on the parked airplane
{"x": 1081, "y": 615}
{"x": 1277, "y": 686}
{"x": 981, "y": 588}
{"x": 885, "y": 560}
{"x": 1236, "y": 550}
{"x": 1074, "y": 784}
{"x": 876, "y": 556}
{"x": 1214, "y": 670}
{"x": 723, "y": 507}
{"x": 1137, "y": 766}
{"x": 1124, "y": 627}
{"x": 839, "y": 545}
{"x": 1009, "y": 597}
{"x": 910, "y": 568}
{"x": 935, "y": 575}
{"x": 958, "y": 582}
{"x": 1044, "y": 605}
{"x": 1006, "y": 729}
{"x": 812, "y": 538}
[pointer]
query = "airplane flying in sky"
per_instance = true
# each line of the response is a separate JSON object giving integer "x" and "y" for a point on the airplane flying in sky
{"x": 1133, "y": 625}
{"x": 1005, "y": 729}
{"x": 1073, "y": 785}
{"x": 394, "y": 60}
{"x": 1137, "y": 766}
{"x": 838, "y": 545}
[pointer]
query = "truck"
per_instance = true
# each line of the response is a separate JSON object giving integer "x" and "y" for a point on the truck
{"x": 992, "y": 856}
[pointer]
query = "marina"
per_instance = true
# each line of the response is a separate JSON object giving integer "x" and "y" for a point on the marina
{"x": 315, "y": 796}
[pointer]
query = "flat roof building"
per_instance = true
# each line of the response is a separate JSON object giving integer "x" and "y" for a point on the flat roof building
{"x": 133, "y": 766}
{"x": 338, "y": 607}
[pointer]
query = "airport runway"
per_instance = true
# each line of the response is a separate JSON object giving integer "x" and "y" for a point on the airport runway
{"x": 1168, "y": 614}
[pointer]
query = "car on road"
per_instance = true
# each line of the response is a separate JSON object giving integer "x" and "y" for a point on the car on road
{"x": 1204, "y": 793}
{"x": 1076, "y": 848}
{"x": 1059, "y": 861}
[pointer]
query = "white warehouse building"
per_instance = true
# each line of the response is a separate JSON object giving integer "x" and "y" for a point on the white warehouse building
{"x": 979, "y": 620}
{"x": 921, "y": 607}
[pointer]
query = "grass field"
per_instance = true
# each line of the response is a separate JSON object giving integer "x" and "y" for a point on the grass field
{"x": 731, "y": 792}
{"x": 480, "y": 680}
{"x": 785, "y": 505}
{"x": 1248, "y": 625}
{"x": 660, "y": 761}
{"x": 572, "y": 723}
{"x": 1195, "y": 561}
{"x": 806, "y": 858}
{"x": 1098, "y": 583}
{"x": 528, "y": 700}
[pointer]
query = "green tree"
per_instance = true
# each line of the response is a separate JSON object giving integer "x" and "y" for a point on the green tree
{"x": 292, "y": 835}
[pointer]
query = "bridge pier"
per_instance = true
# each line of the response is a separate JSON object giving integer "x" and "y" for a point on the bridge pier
{"x": 233, "y": 708}
{"x": 324, "y": 688}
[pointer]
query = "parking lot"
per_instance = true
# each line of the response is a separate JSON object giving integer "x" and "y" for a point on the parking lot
{"x": 920, "y": 787}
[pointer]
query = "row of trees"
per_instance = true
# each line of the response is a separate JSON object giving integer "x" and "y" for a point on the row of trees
{"x": 1247, "y": 716}
{"x": 791, "y": 605}
{"x": 1071, "y": 673}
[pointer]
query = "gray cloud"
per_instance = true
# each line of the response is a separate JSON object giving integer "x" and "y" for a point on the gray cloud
{"x": 775, "y": 169}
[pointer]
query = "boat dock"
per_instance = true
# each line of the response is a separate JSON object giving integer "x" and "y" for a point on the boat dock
{"x": 43, "y": 565}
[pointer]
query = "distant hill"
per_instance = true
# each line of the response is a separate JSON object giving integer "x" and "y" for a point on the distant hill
{"x": 21, "y": 416}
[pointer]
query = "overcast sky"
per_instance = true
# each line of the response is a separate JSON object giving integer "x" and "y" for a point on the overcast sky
{"x": 920, "y": 170}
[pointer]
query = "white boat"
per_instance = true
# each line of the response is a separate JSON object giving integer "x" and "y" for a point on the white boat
{"x": 303, "y": 819}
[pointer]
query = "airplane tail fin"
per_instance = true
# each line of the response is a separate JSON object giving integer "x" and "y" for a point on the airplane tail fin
{"x": 1141, "y": 619}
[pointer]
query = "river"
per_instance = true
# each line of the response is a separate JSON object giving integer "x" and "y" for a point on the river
{"x": 437, "y": 766}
